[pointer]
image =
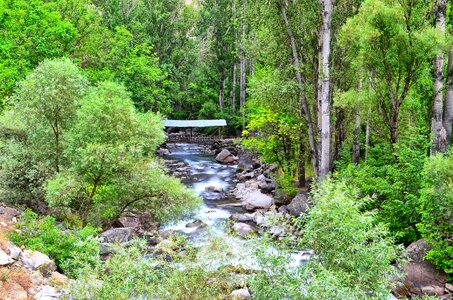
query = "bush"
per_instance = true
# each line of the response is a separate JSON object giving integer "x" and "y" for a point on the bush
{"x": 348, "y": 240}
{"x": 111, "y": 170}
{"x": 393, "y": 181}
{"x": 71, "y": 250}
{"x": 353, "y": 254}
{"x": 437, "y": 210}
{"x": 43, "y": 108}
{"x": 134, "y": 274}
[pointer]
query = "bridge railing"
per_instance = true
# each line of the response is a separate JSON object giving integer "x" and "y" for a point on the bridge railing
{"x": 192, "y": 139}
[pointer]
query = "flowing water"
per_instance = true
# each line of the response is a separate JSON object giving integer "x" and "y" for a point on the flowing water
{"x": 217, "y": 208}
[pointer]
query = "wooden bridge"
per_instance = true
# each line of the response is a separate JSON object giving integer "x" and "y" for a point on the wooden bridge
{"x": 187, "y": 136}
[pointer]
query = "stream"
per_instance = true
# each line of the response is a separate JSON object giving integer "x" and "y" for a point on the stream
{"x": 212, "y": 219}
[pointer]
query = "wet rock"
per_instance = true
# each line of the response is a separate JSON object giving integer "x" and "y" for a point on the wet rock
{"x": 256, "y": 164}
{"x": 215, "y": 189}
{"x": 267, "y": 186}
{"x": 243, "y": 229}
{"x": 47, "y": 292}
{"x": 242, "y": 190}
{"x": 36, "y": 260}
{"x": 298, "y": 205}
{"x": 165, "y": 234}
{"x": 226, "y": 157}
{"x": 241, "y": 294}
{"x": 277, "y": 230}
{"x": 261, "y": 178}
{"x": 14, "y": 251}
{"x": 283, "y": 209}
{"x": 257, "y": 199}
{"x": 5, "y": 259}
{"x": 242, "y": 217}
{"x": 196, "y": 223}
{"x": 163, "y": 152}
{"x": 422, "y": 276}
{"x": 118, "y": 235}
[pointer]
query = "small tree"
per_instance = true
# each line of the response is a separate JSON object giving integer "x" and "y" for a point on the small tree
{"x": 46, "y": 101}
{"x": 111, "y": 169}
{"x": 33, "y": 131}
{"x": 349, "y": 241}
{"x": 437, "y": 210}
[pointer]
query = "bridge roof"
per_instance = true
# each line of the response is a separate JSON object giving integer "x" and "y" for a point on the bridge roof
{"x": 195, "y": 123}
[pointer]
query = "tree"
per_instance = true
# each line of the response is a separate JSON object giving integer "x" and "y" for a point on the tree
{"x": 394, "y": 40}
{"x": 436, "y": 123}
{"x": 302, "y": 97}
{"x": 30, "y": 31}
{"x": 34, "y": 130}
{"x": 47, "y": 100}
{"x": 111, "y": 169}
{"x": 326, "y": 36}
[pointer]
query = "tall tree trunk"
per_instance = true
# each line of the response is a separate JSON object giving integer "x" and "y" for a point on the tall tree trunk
{"x": 356, "y": 139}
{"x": 436, "y": 122}
{"x": 367, "y": 135}
{"x": 243, "y": 67}
{"x": 302, "y": 97}
{"x": 448, "y": 113}
{"x": 339, "y": 135}
{"x": 233, "y": 84}
{"x": 319, "y": 92}
{"x": 327, "y": 8}
{"x": 301, "y": 165}
{"x": 222, "y": 90}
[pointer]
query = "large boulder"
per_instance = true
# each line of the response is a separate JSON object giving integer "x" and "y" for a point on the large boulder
{"x": 422, "y": 276}
{"x": 226, "y": 157}
{"x": 47, "y": 292}
{"x": 298, "y": 205}
{"x": 243, "y": 229}
{"x": 256, "y": 200}
{"x": 5, "y": 259}
{"x": 118, "y": 235}
{"x": 241, "y": 294}
{"x": 36, "y": 260}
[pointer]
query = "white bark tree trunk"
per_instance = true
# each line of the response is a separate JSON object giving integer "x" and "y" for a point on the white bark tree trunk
{"x": 233, "y": 84}
{"x": 243, "y": 67}
{"x": 448, "y": 113}
{"x": 327, "y": 8}
{"x": 436, "y": 122}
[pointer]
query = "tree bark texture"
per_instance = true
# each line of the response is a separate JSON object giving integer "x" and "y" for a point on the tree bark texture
{"x": 327, "y": 8}
{"x": 448, "y": 112}
{"x": 438, "y": 142}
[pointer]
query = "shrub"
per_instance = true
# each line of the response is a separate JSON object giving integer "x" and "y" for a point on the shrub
{"x": 348, "y": 240}
{"x": 111, "y": 168}
{"x": 32, "y": 132}
{"x": 71, "y": 250}
{"x": 437, "y": 210}
{"x": 393, "y": 182}
{"x": 131, "y": 273}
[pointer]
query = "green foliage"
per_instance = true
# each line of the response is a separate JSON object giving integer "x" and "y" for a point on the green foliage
{"x": 134, "y": 274}
{"x": 33, "y": 131}
{"x": 393, "y": 182}
{"x": 111, "y": 168}
{"x": 286, "y": 183}
{"x": 348, "y": 240}
{"x": 71, "y": 250}
{"x": 437, "y": 210}
{"x": 30, "y": 31}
